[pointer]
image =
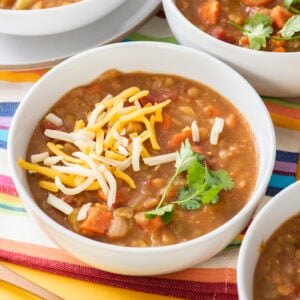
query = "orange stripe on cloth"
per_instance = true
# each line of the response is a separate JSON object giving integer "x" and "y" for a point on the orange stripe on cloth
{"x": 285, "y": 122}
{"x": 204, "y": 275}
{"x": 282, "y": 110}
{"x": 22, "y": 76}
{"x": 38, "y": 251}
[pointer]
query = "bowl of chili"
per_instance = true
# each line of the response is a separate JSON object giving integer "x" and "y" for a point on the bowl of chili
{"x": 41, "y": 17}
{"x": 268, "y": 263}
{"x": 259, "y": 39}
{"x": 131, "y": 145}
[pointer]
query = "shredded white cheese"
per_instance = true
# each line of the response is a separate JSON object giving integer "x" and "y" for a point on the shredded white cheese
{"x": 53, "y": 118}
{"x": 136, "y": 150}
{"x": 216, "y": 129}
{"x": 195, "y": 132}
{"x": 82, "y": 214}
{"x": 39, "y": 157}
{"x": 160, "y": 159}
{"x": 59, "y": 204}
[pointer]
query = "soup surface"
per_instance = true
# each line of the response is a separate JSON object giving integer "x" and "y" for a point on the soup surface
{"x": 33, "y": 4}
{"x": 132, "y": 139}
{"x": 277, "y": 270}
{"x": 259, "y": 25}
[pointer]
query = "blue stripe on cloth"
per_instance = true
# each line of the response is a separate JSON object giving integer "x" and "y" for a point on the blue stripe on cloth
{"x": 272, "y": 191}
{"x": 3, "y": 144}
{"x": 287, "y": 156}
{"x": 12, "y": 209}
{"x": 3, "y": 138}
{"x": 7, "y": 109}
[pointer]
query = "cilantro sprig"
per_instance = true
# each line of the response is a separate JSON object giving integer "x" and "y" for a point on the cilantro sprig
{"x": 203, "y": 186}
{"x": 259, "y": 29}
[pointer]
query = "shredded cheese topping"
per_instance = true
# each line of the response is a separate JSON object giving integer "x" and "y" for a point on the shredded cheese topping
{"x": 106, "y": 148}
{"x": 216, "y": 129}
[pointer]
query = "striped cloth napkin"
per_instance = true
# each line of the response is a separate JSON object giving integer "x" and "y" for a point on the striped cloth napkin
{"x": 21, "y": 241}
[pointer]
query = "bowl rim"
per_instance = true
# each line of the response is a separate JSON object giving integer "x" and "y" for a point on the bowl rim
{"x": 229, "y": 47}
{"x": 51, "y": 10}
{"x": 250, "y": 205}
{"x": 263, "y": 213}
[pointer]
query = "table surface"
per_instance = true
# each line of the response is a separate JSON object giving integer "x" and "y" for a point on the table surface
{"x": 218, "y": 275}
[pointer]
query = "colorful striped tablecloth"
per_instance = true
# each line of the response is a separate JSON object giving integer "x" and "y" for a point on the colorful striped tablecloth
{"x": 21, "y": 241}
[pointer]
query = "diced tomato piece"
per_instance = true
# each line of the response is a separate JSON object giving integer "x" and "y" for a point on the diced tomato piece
{"x": 98, "y": 220}
{"x": 45, "y": 124}
{"x": 158, "y": 98}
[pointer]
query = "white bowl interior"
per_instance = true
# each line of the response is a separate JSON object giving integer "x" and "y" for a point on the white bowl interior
{"x": 279, "y": 209}
{"x": 148, "y": 57}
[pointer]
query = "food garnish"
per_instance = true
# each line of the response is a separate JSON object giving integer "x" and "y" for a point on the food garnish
{"x": 259, "y": 29}
{"x": 203, "y": 186}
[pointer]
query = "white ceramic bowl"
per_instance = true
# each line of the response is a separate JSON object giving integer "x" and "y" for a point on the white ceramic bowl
{"x": 279, "y": 209}
{"x": 271, "y": 74}
{"x": 149, "y": 57}
{"x": 55, "y": 20}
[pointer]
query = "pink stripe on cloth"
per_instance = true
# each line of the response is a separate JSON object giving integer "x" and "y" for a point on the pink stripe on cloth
{"x": 7, "y": 186}
{"x": 5, "y": 122}
{"x": 189, "y": 284}
{"x": 157, "y": 285}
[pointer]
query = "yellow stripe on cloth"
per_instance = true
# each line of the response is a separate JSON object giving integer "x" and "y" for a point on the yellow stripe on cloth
{"x": 285, "y": 122}
{"x": 30, "y": 76}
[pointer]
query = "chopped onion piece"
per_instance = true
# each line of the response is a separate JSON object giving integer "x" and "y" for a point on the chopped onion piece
{"x": 59, "y": 135}
{"x": 136, "y": 150}
{"x": 160, "y": 159}
{"x": 83, "y": 211}
{"x": 53, "y": 118}
{"x": 195, "y": 132}
{"x": 59, "y": 204}
{"x": 39, "y": 157}
{"x": 76, "y": 190}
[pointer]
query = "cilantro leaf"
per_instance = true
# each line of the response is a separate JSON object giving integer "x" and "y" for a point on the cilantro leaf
{"x": 210, "y": 196}
{"x": 258, "y": 28}
{"x": 203, "y": 186}
{"x": 291, "y": 26}
{"x": 220, "y": 177}
{"x": 185, "y": 157}
{"x": 165, "y": 212}
{"x": 188, "y": 198}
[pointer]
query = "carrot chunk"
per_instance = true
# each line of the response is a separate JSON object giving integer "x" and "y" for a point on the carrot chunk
{"x": 178, "y": 138}
{"x": 149, "y": 225}
{"x": 209, "y": 12}
{"x": 279, "y": 16}
{"x": 98, "y": 220}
